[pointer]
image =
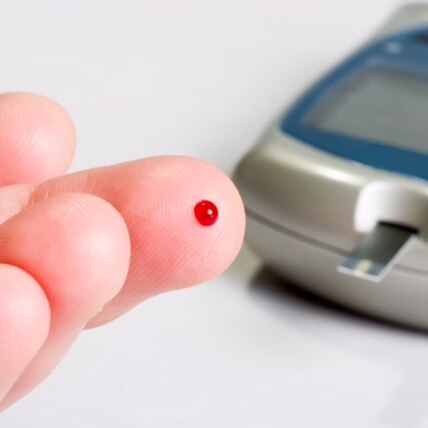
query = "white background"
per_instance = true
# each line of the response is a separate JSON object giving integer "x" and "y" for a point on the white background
{"x": 203, "y": 78}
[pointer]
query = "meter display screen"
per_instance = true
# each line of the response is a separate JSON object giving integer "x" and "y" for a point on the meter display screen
{"x": 380, "y": 105}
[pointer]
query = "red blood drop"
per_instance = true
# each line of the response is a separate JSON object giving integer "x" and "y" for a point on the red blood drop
{"x": 206, "y": 213}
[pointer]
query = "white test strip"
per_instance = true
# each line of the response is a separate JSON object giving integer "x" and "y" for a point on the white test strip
{"x": 378, "y": 252}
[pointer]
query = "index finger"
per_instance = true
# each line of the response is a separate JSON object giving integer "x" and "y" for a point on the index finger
{"x": 156, "y": 197}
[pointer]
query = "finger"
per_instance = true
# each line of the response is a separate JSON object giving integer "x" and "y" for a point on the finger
{"x": 77, "y": 248}
{"x": 37, "y": 138}
{"x": 156, "y": 197}
{"x": 24, "y": 323}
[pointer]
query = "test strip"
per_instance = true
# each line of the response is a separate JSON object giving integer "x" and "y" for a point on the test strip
{"x": 377, "y": 253}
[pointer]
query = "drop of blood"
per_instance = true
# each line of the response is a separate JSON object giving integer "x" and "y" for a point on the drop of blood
{"x": 206, "y": 213}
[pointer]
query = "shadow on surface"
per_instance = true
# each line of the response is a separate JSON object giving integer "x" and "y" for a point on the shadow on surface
{"x": 268, "y": 285}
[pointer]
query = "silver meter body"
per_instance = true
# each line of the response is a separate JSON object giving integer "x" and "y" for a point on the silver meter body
{"x": 336, "y": 192}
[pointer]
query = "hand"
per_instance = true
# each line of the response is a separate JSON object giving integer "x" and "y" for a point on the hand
{"x": 79, "y": 250}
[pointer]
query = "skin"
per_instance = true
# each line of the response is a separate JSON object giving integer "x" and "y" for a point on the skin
{"x": 79, "y": 250}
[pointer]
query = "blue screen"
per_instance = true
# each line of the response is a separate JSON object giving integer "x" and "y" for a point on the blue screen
{"x": 378, "y": 104}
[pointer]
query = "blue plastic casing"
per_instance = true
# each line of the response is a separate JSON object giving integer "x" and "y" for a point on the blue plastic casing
{"x": 406, "y": 52}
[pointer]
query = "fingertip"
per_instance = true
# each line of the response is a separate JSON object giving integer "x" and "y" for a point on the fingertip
{"x": 216, "y": 244}
{"x": 24, "y": 322}
{"x": 37, "y": 138}
{"x": 171, "y": 249}
{"x": 77, "y": 247}
{"x": 174, "y": 248}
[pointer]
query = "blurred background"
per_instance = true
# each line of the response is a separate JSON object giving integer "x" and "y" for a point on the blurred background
{"x": 204, "y": 78}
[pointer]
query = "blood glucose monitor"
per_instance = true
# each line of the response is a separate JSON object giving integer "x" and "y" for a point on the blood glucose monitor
{"x": 336, "y": 193}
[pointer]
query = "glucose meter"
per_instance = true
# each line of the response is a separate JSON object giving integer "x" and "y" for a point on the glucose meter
{"x": 336, "y": 193}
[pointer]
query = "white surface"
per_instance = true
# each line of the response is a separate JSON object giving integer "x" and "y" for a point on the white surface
{"x": 203, "y": 78}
